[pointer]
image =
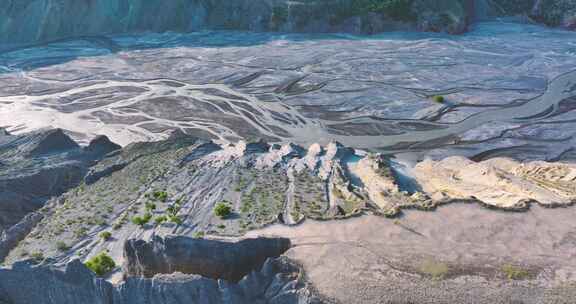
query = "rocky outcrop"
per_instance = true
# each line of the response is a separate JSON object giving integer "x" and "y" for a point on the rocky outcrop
{"x": 381, "y": 183}
{"x": 230, "y": 261}
{"x": 498, "y": 182}
{"x": 278, "y": 281}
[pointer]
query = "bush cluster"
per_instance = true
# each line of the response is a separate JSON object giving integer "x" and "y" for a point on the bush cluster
{"x": 142, "y": 220}
{"x": 101, "y": 264}
{"x": 105, "y": 235}
{"x": 222, "y": 210}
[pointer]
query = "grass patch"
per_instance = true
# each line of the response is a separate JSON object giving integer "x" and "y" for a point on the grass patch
{"x": 434, "y": 269}
{"x": 515, "y": 272}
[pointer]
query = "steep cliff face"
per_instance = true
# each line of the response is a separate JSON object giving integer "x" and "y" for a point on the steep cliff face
{"x": 28, "y": 21}
{"x": 209, "y": 258}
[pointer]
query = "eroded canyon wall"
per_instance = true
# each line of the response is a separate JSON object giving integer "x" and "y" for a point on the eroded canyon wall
{"x": 30, "y": 21}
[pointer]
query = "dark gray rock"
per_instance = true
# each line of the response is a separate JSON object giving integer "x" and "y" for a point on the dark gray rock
{"x": 50, "y": 142}
{"x": 257, "y": 147}
{"x": 277, "y": 282}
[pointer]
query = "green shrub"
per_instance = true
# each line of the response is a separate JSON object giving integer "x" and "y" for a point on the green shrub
{"x": 160, "y": 195}
{"x": 514, "y": 272}
{"x": 142, "y": 220}
{"x": 198, "y": 234}
{"x": 101, "y": 264}
{"x": 439, "y": 99}
{"x": 175, "y": 219}
{"x": 137, "y": 220}
{"x": 150, "y": 206}
{"x": 173, "y": 209}
{"x": 37, "y": 256}
{"x": 61, "y": 246}
{"x": 105, "y": 235}
{"x": 222, "y": 210}
{"x": 81, "y": 232}
{"x": 160, "y": 220}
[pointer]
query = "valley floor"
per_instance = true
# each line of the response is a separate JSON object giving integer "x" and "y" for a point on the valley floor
{"x": 460, "y": 253}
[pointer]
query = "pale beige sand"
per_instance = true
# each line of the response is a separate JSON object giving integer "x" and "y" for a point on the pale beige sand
{"x": 376, "y": 260}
